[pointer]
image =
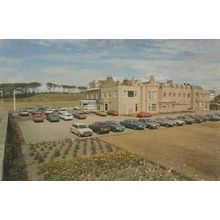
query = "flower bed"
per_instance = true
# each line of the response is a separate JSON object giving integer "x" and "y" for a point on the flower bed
{"x": 107, "y": 166}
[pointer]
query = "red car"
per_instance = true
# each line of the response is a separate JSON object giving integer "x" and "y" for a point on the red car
{"x": 113, "y": 113}
{"x": 144, "y": 114}
{"x": 38, "y": 117}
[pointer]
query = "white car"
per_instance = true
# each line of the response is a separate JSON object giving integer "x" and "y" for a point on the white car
{"x": 66, "y": 116}
{"x": 62, "y": 110}
{"x": 81, "y": 130}
{"x": 49, "y": 111}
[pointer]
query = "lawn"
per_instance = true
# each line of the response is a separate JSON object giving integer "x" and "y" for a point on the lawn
{"x": 190, "y": 150}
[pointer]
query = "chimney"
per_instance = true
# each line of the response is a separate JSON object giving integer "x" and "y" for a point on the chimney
{"x": 152, "y": 78}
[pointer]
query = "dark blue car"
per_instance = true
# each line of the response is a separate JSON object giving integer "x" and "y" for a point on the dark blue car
{"x": 133, "y": 124}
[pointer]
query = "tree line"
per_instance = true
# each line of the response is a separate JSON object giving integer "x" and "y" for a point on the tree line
{"x": 32, "y": 88}
{"x": 22, "y": 89}
{"x": 53, "y": 88}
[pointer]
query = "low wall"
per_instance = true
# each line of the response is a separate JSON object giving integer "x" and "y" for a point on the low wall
{"x": 3, "y": 134}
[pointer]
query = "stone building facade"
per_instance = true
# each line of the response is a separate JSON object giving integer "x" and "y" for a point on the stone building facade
{"x": 133, "y": 96}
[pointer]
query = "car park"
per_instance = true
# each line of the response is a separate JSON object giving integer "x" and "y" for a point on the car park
{"x": 66, "y": 116}
{"x": 212, "y": 117}
{"x": 79, "y": 115}
{"x": 81, "y": 130}
{"x": 101, "y": 113}
{"x": 115, "y": 126}
{"x": 100, "y": 127}
{"x": 164, "y": 122}
{"x": 53, "y": 117}
{"x": 23, "y": 112}
{"x": 149, "y": 123}
{"x": 144, "y": 114}
{"x": 38, "y": 117}
{"x": 177, "y": 121}
{"x": 112, "y": 113}
{"x": 186, "y": 119}
{"x": 133, "y": 124}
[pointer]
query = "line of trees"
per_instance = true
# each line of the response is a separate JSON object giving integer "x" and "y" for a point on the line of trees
{"x": 22, "y": 89}
{"x": 52, "y": 88}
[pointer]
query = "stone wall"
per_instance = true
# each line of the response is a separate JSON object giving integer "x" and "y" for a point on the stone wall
{"x": 3, "y": 133}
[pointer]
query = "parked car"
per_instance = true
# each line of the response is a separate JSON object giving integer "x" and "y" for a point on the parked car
{"x": 133, "y": 124}
{"x": 212, "y": 117}
{"x": 81, "y": 130}
{"x": 177, "y": 121}
{"x": 62, "y": 110}
{"x": 144, "y": 114}
{"x": 101, "y": 113}
{"x": 48, "y": 111}
{"x": 115, "y": 126}
{"x": 76, "y": 108}
{"x": 79, "y": 115}
{"x": 30, "y": 110}
{"x": 53, "y": 117}
{"x": 186, "y": 119}
{"x": 196, "y": 119}
{"x": 218, "y": 114}
{"x": 85, "y": 111}
{"x": 164, "y": 122}
{"x": 38, "y": 117}
{"x": 100, "y": 127}
{"x": 66, "y": 116}
{"x": 149, "y": 123}
{"x": 202, "y": 117}
{"x": 112, "y": 113}
{"x": 23, "y": 112}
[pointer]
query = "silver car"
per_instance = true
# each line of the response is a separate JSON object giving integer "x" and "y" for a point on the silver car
{"x": 177, "y": 121}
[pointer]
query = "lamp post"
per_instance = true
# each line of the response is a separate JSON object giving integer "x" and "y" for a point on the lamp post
{"x": 14, "y": 93}
{"x": 2, "y": 96}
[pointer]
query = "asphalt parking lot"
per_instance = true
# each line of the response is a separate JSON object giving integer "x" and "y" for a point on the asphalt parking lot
{"x": 47, "y": 131}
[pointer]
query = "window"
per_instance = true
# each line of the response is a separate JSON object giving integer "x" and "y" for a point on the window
{"x": 149, "y": 95}
{"x": 188, "y": 94}
{"x": 154, "y": 107}
{"x": 115, "y": 94}
{"x": 130, "y": 93}
{"x": 136, "y": 107}
{"x": 174, "y": 94}
{"x": 170, "y": 94}
{"x": 164, "y": 94}
{"x": 179, "y": 94}
{"x": 149, "y": 108}
{"x": 135, "y": 93}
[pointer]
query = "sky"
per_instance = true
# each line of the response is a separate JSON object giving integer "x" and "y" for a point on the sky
{"x": 77, "y": 62}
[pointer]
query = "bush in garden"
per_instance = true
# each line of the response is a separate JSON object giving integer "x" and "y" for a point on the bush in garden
{"x": 57, "y": 153}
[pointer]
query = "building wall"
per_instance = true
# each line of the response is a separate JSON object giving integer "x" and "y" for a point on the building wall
{"x": 174, "y": 98}
{"x": 200, "y": 99}
{"x": 133, "y": 96}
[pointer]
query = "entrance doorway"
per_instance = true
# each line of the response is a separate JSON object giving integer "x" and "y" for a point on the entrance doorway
{"x": 106, "y": 107}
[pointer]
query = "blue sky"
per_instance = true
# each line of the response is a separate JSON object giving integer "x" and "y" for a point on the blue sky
{"x": 76, "y": 62}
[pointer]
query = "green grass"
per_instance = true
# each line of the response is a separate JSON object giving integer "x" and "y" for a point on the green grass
{"x": 54, "y": 100}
